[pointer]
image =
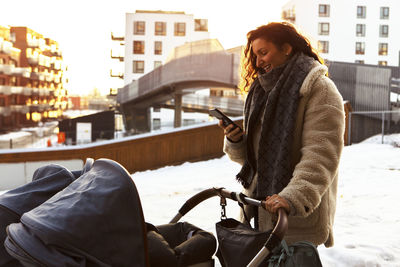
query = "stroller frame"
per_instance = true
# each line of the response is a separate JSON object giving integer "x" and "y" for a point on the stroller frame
{"x": 276, "y": 235}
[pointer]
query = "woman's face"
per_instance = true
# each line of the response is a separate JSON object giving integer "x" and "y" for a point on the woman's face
{"x": 268, "y": 55}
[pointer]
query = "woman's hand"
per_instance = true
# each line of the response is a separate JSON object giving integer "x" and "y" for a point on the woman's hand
{"x": 232, "y": 132}
{"x": 275, "y": 202}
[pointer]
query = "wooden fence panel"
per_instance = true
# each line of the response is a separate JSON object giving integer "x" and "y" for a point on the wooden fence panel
{"x": 138, "y": 153}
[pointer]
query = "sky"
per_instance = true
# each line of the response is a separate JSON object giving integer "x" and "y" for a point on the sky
{"x": 366, "y": 228}
{"x": 83, "y": 28}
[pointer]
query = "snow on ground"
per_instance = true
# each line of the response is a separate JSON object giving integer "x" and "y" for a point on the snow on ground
{"x": 367, "y": 223}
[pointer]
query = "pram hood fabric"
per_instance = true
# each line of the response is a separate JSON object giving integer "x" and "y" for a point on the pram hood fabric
{"x": 46, "y": 182}
{"x": 96, "y": 220}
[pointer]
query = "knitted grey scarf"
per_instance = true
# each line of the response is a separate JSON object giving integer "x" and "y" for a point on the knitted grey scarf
{"x": 275, "y": 96}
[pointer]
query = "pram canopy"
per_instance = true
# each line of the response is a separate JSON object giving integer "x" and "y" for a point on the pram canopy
{"x": 97, "y": 220}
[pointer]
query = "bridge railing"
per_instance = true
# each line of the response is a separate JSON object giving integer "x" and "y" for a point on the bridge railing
{"x": 218, "y": 67}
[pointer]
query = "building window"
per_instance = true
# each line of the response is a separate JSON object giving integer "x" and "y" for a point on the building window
{"x": 383, "y": 30}
{"x": 180, "y": 29}
{"x": 360, "y": 48}
{"x": 156, "y": 124}
{"x": 385, "y": 12}
{"x": 383, "y": 49}
{"x": 138, "y": 66}
{"x": 157, "y": 48}
{"x": 382, "y": 63}
{"x": 157, "y": 64}
{"x": 359, "y": 61}
{"x": 323, "y": 46}
{"x": 360, "y": 30}
{"x": 156, "y": 109}
{"x": 160, "y": 28}
{"x": 139, "y": 27}
{"x": 201, "y": 25}
{"x": 138, "y": 47}
{"x": 323, "y": 28}
{"x": 361, "y": 12}
{"x": 323, "y": 10}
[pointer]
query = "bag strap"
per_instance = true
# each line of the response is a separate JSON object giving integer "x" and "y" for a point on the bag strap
{"x": 241, "y": 202}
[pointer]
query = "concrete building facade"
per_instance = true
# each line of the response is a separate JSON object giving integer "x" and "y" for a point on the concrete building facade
{"x": 151, "y": 35}
{"x": 31, "y": 78}
{"x": 356, "y": 31}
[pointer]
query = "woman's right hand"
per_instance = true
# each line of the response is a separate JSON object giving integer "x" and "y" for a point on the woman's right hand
{"x": 232, "y": 132}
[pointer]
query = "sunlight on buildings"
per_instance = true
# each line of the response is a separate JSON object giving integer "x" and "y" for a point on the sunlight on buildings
{"x": 36, "y": 117}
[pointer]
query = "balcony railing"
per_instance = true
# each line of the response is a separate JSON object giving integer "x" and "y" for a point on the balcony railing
{"x": 27, "y": 91}
{"x": 44, "y": 91}
{"x": 24, "y": 72}
{"x": 33, "y": 43}
{"x": 17, "y": 90}
{"x": 117, "y": 38}
{"x": 7, "y": 69}
{"x": 119, "y": 56}
{"x": 6, "y": 47}
{"x": 5, "y": 111}
{"x": 116, "y": 75}
{"x": 5, "y": 89}
{"x": 19, "y": 108}
{"x": 32, "y": 60}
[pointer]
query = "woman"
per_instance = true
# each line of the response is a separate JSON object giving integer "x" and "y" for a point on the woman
{"x": 293, "y": 134}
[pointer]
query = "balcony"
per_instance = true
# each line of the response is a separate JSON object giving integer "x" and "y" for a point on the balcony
{"x": 6, "y": 47}
{"x": 117, "y": 38}
{"x": 6, "y": 69}
{"x": 33, "y": 43}
{"x": 35, "y": 76}
{"x": 116, "y": 75}
{"x": 44, "y": 91}
{"x": 49, "y": 77}
{"x": 19, "y": 109}
{"x": 119, "y": 56}
{"x": 33, "y": 60}
{"x": 35, "y": 91}
{"x": 17, "y": 90}
{"x": 27, "y": 91}
{"x": 23, "y": 72}
{"x": 5, "y": 89}
{"x": 57, "y": 79}
{"x": 5, "y": 111}
{"x": 56, "y": 65}
{"x": 44, "y": 61}
{"x": 41, "y": 76}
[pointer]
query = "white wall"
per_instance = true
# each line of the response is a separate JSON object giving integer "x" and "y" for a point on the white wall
{"x": 343, "y": 19}
{"x": 17, "y": 174}
{"x": 169, "y": 41}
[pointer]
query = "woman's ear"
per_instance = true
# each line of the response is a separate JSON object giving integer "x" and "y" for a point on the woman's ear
{"x": 287, "y": 48}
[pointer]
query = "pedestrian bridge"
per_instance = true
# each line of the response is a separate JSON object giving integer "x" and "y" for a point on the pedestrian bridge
{"x": 173, "y": 80}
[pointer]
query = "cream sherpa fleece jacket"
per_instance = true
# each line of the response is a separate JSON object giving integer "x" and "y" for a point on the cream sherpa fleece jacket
{"x": 317, "y": 146}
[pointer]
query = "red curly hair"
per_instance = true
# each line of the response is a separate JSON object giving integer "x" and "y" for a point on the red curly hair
{"x": 278, "y": 33}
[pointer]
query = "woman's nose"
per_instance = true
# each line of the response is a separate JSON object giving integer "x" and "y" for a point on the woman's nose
{"x": 259, "y": 62}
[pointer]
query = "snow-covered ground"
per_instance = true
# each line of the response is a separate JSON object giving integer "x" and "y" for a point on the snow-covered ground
{"x": 367, "y": 223}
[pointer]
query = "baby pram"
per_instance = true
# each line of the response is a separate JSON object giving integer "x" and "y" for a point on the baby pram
{"x": 95, "y": 220}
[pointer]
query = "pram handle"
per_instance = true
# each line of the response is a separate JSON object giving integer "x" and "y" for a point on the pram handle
{"x": 280, "y": 227}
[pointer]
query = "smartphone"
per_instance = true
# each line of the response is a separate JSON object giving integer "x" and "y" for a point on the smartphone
{"x": 220, "y": 115}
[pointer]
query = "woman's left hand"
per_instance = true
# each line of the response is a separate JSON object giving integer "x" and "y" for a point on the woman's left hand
{"x": 274, "y": 202}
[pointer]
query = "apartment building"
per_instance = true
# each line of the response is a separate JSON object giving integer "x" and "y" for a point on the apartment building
{"x": 31, "y": 78}
{"x": 350, "y": 30}
{"x": 151, "y": 35}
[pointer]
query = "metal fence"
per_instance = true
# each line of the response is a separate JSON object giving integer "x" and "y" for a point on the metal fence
{"x": 365, "y": 124}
